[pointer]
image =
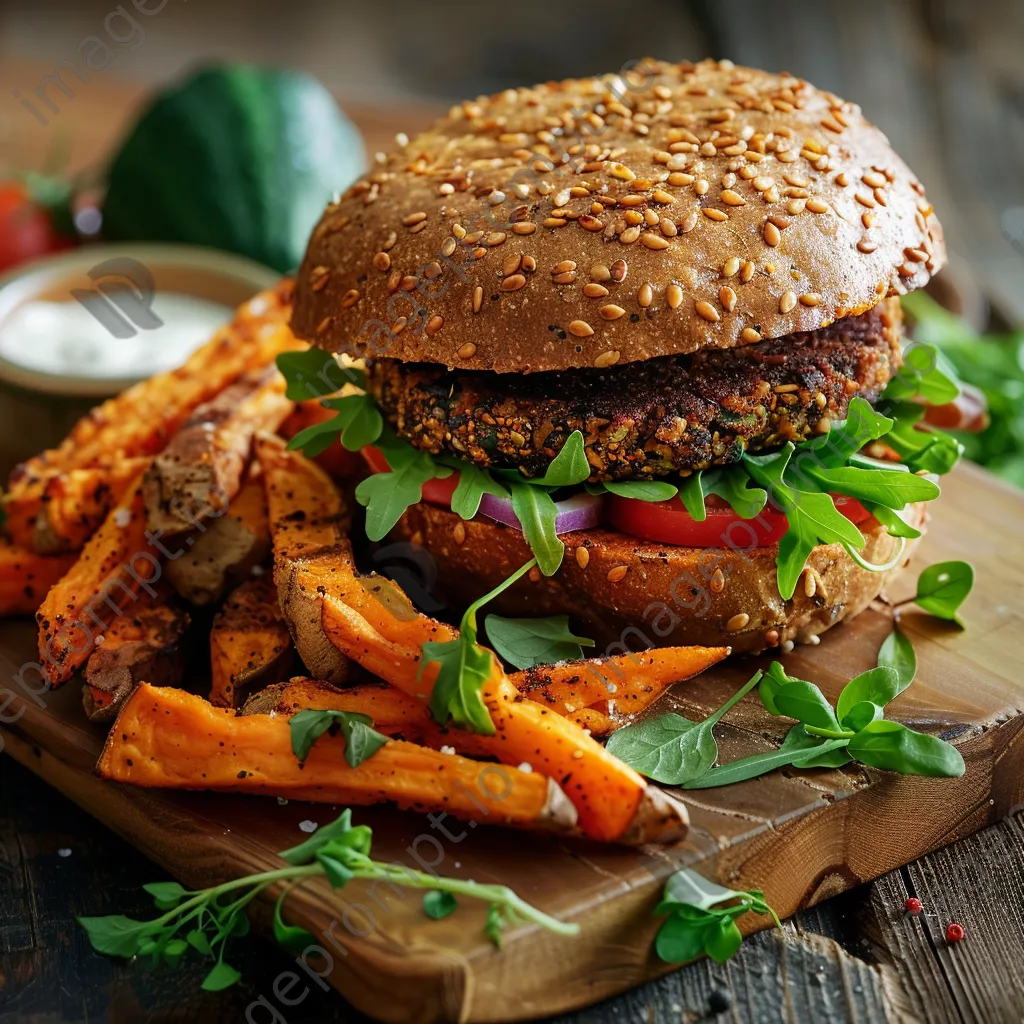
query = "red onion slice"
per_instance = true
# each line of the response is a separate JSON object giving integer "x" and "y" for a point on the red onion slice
{"x": 580, "y": 512}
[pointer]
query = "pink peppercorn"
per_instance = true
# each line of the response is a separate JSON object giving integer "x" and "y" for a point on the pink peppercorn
{"x": 914, "y": 906}
{"x": 955, "y": 932}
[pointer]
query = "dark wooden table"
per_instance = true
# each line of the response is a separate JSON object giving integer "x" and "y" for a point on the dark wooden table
{"x": 944, "y": 78}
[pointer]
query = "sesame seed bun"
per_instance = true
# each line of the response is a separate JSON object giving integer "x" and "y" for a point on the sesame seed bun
{"x": 601, "y": 221}
{"x": 614, "y": 586}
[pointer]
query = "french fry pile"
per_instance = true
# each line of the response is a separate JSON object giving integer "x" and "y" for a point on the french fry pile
{"x": 180, "y": 494}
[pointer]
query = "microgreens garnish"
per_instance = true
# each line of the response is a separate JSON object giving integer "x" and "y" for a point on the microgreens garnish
{"x": 702, "y": 918}
{"x": 675, "y": 751}
{"x": 464, "y": 668}
{"x": 204, "y": 920}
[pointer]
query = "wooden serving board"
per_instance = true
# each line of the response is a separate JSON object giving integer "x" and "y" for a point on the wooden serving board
{"x": 800, "y": 836}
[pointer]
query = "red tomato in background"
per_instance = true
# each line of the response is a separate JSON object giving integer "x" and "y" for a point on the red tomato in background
{"x": 27, "y": 229}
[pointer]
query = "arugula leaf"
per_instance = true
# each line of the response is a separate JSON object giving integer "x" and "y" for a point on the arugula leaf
{"x": 437, "y": 905}
{"x": 925, "y": 372}
{"x": 340, "y": 831}
{"x": 361, "y": 740}
{"x": 894, "y": 747}
{"x": 642, "y": 490}
{"x": 877, "y": 685}
{"x": 731, "y": 483}
{"x": 464, "y": 668}
{"x": 758, "y": 764}
{"x": 536, "y": 512}
{"x": 863, "y": 424}
{"x": 568, "y": 467}
{"x": 359, "y": 423}
{"x": 671, "y": 749}
{"x": 691, "y": 494}
{"x": 813, "y": 518}
{"x": 918, "y": 445}
{"x": 473, "y": 484}
{"x": 897, "y": 653}
{"x": 891, "y": 487}
{"x": 943, "y": 587}
{"x": 314, "y": 373}
{"x": 386, "y": 496}
{"x": 893, "y": 520}
{"x": 525, "y": 643}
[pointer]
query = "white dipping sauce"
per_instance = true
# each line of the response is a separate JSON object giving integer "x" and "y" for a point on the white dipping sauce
{"x": 64, "y": 338}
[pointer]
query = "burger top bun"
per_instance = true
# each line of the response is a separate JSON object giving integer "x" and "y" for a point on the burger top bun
{"x": 598, "y": 221}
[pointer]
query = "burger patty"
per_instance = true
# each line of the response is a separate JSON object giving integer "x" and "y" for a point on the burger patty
{"x": 665, "y": 416}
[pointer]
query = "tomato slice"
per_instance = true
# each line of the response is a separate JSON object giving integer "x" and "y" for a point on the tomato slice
{"x": 668, "y": 522}
{"x": 437, "y": 492}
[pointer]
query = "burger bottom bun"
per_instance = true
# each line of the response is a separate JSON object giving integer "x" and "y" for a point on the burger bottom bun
{"x": 667, "y": 595}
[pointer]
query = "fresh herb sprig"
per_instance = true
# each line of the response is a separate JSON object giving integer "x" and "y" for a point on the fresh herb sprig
{"x": 465, "y": 667}
{"x": 941, "y": 590}
{"x": 204, "y": 920}
{"x": 702, "y": 918}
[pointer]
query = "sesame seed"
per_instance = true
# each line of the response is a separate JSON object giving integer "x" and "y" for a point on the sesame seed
{"x": 563, "y": 268}
{"x": 865, "y": 200}
{"x": 561, "y": 198}
{"x": 513, "y": 283}
{"x": 746, "y": 270}
{"x": 866, "y": 246}
{"x": 728, "y": 298}
{"x": 435, "y": 324}
{"x": 621, "y": 171}
{"x": 772, "y": 235}
{"x": 810, "y": 583}
{"x": 645, "y": 296}
{"x": 582, "y": 557}
{"x": 611, "y": 312}
{"x": 731, "y": 266}
{"x": 609, "y": 358}
{"x": 717, "y": 582}
{"x": 700, "y": 186}
{"x": 737, "y": 622}
{"x": 787, "y": 302}
{"x": 674, "y": 296}
{"x": 590, "y": 223}
{"x": 568, "y": 277}
{"x": 524, "y": 228}
{"x": 414, "y": 218}
{"x": 350, "y": 298}
{"x": 467, "y": 351}
{"x": 594, "y": 291}
{"x": 599, "y": 272}
{"x": 554, "y": 222}
{"x": 679, "y": 178}
{"x": 478, "y": 298}
{"x": 459, "y": 533}
{"x": 653, "y": 241}
{"x": 707, "y": 311}
{"x": 689, "y": 222}
{"x": 749, "y": 335}
{"x": 715, "y": 215}
{"x": 630, "y": 235}
{"x": 616, "y": 574}
{"x": 732, "y": 198}
{"x": 795, "y": 206}
{"x": 511, "y": 265}
{"x": 867, "y": 219}
{"x": 581, "y": 329}
{"x": 618, "y": 270}
{"x": 810, "y": 299}
{"x": 762, "y": 183}
{"x": 495, "y": 238}
{"x": 663, "y": 197}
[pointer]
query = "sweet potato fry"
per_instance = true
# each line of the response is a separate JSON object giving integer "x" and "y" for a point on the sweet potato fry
{"x": 612, "y": 801}
{"x": 223, "y": 551}
{"x": 200, "y": 471}
{"x": 140, "y": 645}
{"x": 307, "y": 521}
{"x": 250, "y": 644}
{"x": 615, "y": 686}
{"x": 140, "y": 420}
{"x": 111, "y": 572}
{"x": 394, "y": 713}
{"x": 75, "y": 503}
{"x": 170, "y": 738}
{"x": 25, "y": 577}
